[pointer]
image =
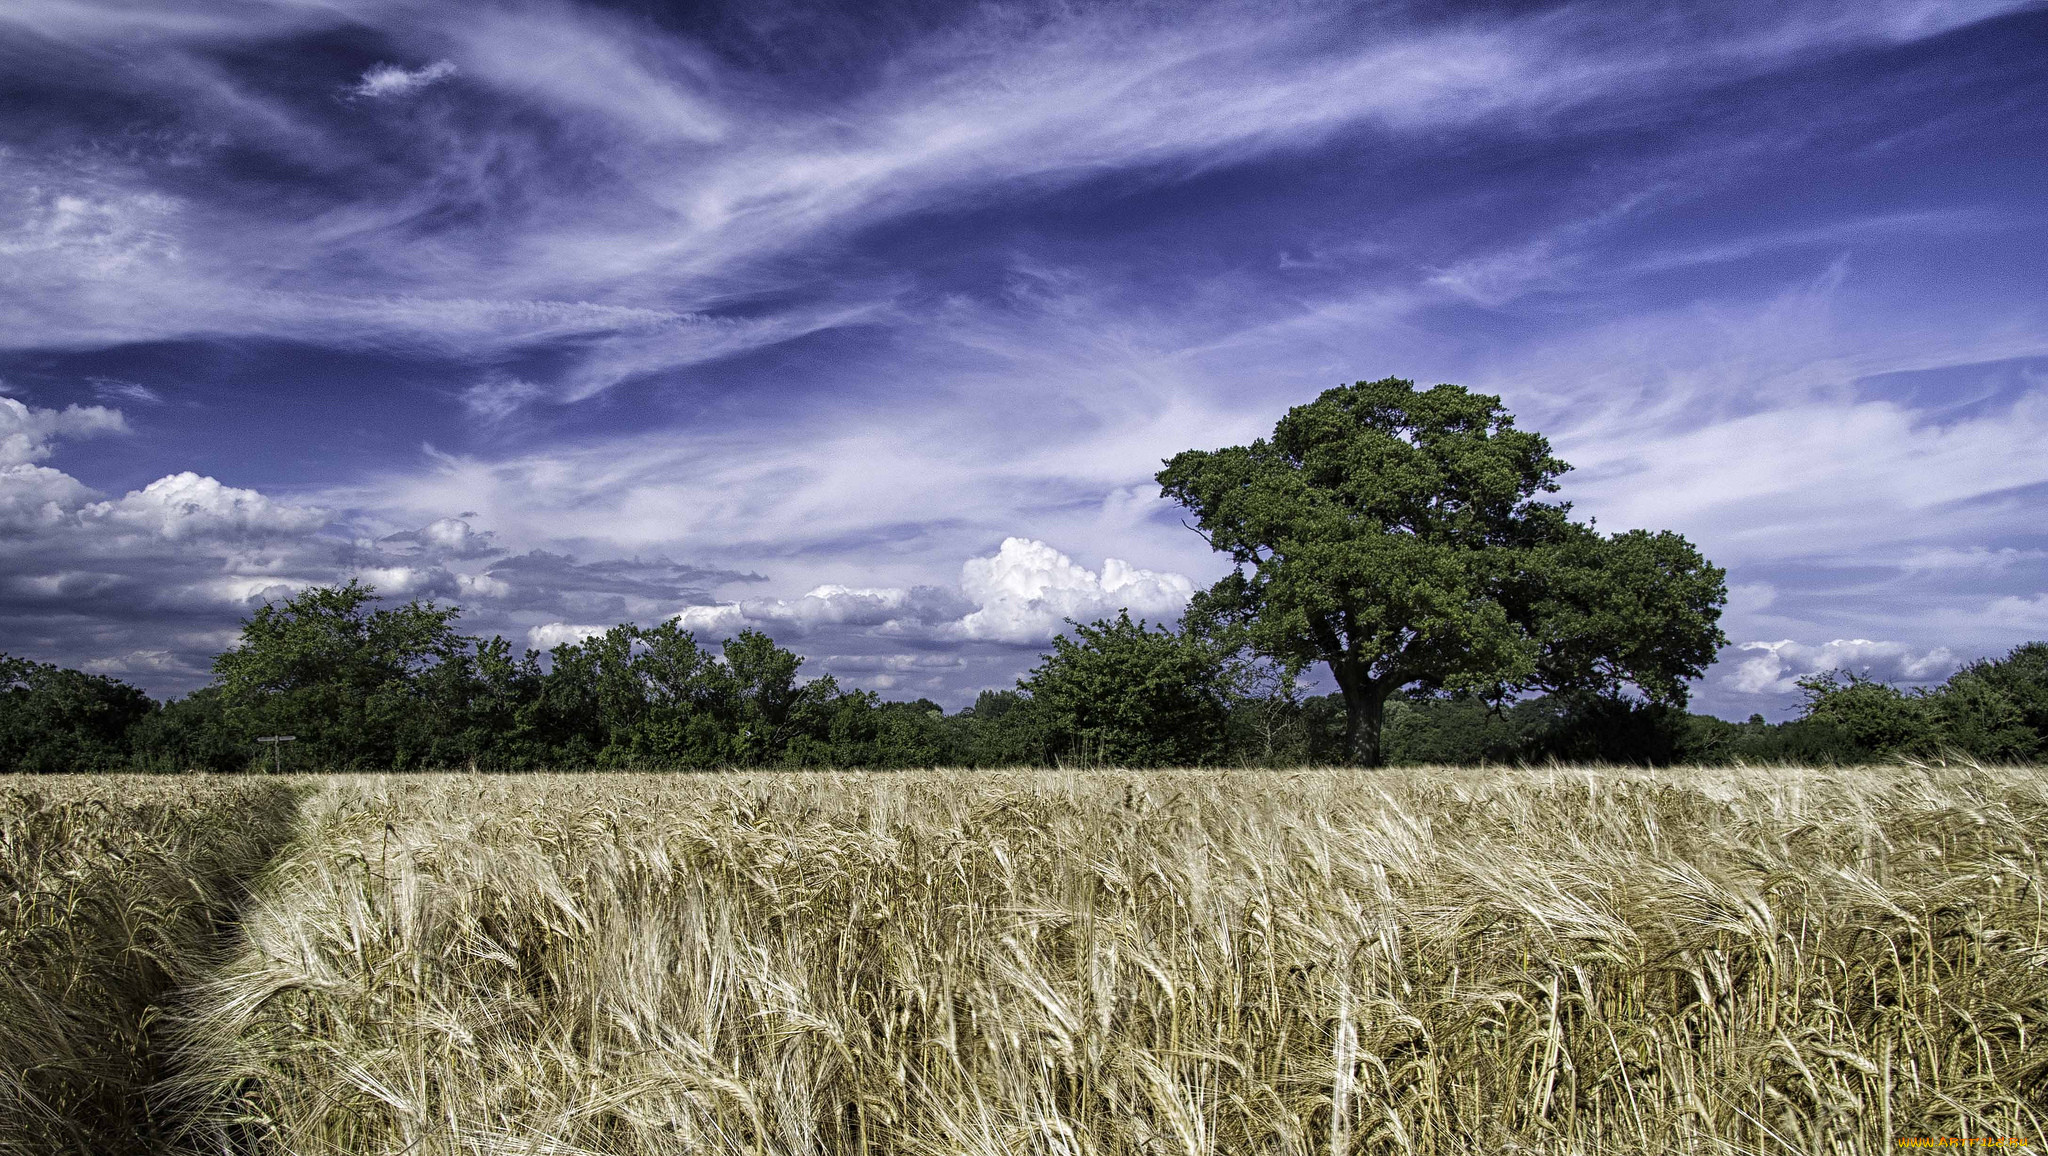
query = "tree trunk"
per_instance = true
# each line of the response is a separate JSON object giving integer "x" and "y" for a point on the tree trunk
{"x": 1365, "y": 703}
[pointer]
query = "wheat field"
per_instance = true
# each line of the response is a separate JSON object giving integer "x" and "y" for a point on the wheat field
{"x": 1424, "y": 960}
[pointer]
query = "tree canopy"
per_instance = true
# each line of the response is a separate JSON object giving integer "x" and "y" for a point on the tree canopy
{"x": 1990, "y": 709}
{"x": 1401, "y": 536}
{"x": 54, "y": 719}
{"x": 345, "y": 678}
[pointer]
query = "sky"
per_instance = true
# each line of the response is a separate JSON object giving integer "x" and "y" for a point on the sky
{"x": 868, "y": 324}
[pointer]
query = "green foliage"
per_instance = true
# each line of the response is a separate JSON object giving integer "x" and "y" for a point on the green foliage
{"x": 53, "y": 719}
{"x": 1998, "y": 709}
{"x": 1993, "y": 709}
{"x": 1712, "y": 741}
{"x": 1002, "y": 729}
{"x": 1399, "y": 536}
{"x": 397, "y": 689}
{"x": 190, "y": 734}
{"x": 1119, "y": 694}
{"x": 1875, "y": 719}
{"x": 350, "y": 682}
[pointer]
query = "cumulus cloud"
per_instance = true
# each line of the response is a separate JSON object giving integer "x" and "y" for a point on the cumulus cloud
{"x": 893, "y": 663}
{"x": 151, "y": 583}
{"x": 446, "y": 538}
{"x": 920, "y": 610}
{"x": 1776, "y": 667}
{"x": 188, "y": 505}
{"x": 549, "y": 635}
{"x": 1022, "y": 594}
{"x": 1027, "y": 590}
{"x": 38, "y": 497}
{"x": 142, "y": 662}
{"x": 388, "y": 80}
{"x": 722, "y": 620}
{"x": 484, "y": 586}
{"x": 28, "y": 434}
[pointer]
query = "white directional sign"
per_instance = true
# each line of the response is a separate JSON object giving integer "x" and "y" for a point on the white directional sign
{"x": 277, "y": 749}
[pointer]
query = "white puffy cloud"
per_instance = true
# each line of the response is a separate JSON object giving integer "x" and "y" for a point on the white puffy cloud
{"x": 159, "y": 575}
{"x": 188, "y": 505}
{"x": 553, "y": 634}
{"x": 482, "y": 586}
{"x": 38, "y": 497}
{"x": 403, "y": 581}
{"x": 63, "y": 513}
{"x": 897, "y": 663}
{"x": 1776, "y": 667}
{"x": 1027, "y": 590}
{"x": 835, "y": 604}
{"x": 26, "y": 432}
{"x": 1023, "y": 593}
{"x": 149, "y": 661}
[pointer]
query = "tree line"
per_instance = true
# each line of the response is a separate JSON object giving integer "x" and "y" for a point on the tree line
{"x": 397, "y": 689}
{"x": 1399, "y": 537}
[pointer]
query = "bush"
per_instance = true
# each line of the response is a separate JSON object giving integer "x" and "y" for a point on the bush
{"x": 1120, "y": 694}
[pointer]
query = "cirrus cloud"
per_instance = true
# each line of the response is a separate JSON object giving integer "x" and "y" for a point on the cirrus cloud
{"x": 389, "y": 80}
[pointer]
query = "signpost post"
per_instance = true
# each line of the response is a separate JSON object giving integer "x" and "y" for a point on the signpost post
{"x": 277, "y": 749}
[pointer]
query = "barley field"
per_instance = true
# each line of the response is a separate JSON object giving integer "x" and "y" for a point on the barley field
{"x": 115, "y": 895}
{"x": 1729, "y": 960}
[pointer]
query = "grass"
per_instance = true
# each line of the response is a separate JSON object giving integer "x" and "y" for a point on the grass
{"x": 1715, "y": 961}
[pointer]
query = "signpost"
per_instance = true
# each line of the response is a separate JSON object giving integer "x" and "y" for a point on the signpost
{"x": 277, "y": 749}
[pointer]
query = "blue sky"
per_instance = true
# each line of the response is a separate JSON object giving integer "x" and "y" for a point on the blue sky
{"x": 868, "y": 324}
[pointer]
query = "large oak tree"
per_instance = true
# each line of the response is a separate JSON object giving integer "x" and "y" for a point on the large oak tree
{"x": 1400, "y": 535}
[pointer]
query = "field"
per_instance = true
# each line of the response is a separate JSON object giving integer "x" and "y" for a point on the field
{"x": 1554, "y": 960}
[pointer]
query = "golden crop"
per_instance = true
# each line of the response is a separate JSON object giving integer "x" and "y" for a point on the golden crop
{"x": 114, "y": 894}
{"x": 1423, "y": 960}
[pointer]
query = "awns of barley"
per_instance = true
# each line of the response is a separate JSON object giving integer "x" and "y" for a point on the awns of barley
{"x": 1320, "y": 962}
{"x": 115, "y": 893}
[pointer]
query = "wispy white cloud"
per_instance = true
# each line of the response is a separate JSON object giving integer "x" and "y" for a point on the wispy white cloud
{"x": 704, "y": 181}
{"x": 390, "y": 80}
{"x": 131, "y": 392}
{"x": 597, "y": 201}
{"x": 2027, "y": 614}
{"x": 1963, "y": 558}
